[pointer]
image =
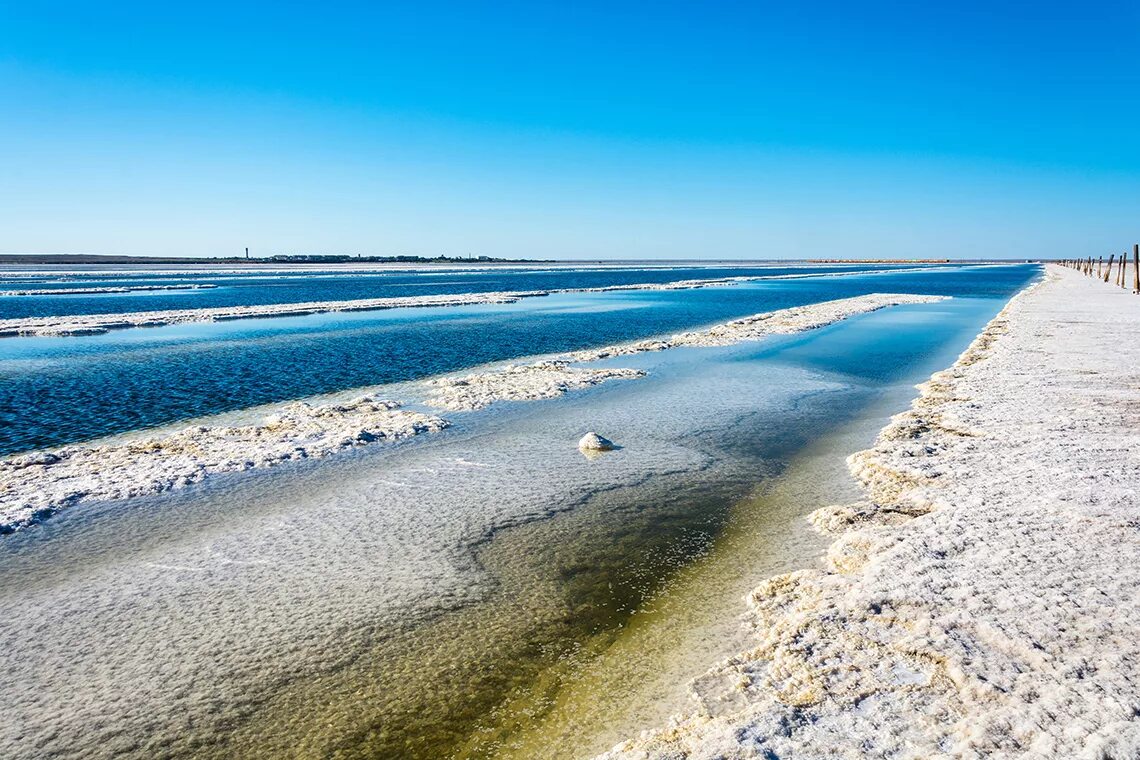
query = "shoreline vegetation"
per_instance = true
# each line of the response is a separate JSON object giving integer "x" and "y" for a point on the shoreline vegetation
{"x": 35, "y": 485}
{"x": 981, "y": 598}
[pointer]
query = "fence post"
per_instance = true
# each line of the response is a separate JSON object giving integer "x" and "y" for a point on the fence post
{"x": 1136, "y": 268}
{"x": 1111, "y": 256}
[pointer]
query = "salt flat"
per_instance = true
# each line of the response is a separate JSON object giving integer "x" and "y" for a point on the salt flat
{"x": 983, "y": 600}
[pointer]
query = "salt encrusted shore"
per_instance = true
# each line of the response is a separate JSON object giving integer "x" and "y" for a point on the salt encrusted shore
{"x": 985, "y": 599}
{"x": 34, "y": 486}
{"x": 553, "y": 377}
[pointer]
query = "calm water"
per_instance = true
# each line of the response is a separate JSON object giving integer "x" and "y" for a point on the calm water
{"x": 61, "y": 390}
{"x": 245, "y": 289}
{"x": 446, "y": 598}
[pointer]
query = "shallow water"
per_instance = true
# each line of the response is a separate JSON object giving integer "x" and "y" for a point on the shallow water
{"x": 63, "y": 390}
{"x": 457, "y": 595}
{"x": 246, "y": 289}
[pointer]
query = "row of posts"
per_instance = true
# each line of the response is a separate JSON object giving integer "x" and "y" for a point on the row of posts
{"x": 1102, "y": 271}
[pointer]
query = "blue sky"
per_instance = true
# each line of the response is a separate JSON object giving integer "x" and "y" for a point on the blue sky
{"x": 586, "y": 130}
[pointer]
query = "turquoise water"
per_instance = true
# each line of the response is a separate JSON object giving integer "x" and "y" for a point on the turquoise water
{"x": 62, "y": 390}
{"x": 392, "y": 602}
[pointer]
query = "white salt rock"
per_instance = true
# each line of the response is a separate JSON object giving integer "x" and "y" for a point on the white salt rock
{"x": 593, "y": 442}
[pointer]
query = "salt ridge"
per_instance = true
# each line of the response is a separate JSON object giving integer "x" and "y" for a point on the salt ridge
{"x": 93, "y": 324}
{"x": 107, "y": 289}
{"x": 515, "y": 382}
{"x": 982, "y": 600}
{"x": 553, "y": 377}
{"x": 36, "y": 485}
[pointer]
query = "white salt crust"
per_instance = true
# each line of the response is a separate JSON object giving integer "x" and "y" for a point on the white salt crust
{"x": 519, "y": 382}
{"x": 553, "y": 377}
{"x": 101, "y": 290}
{"x": 983, "y": 601}
{"x": 34, "y": 486}
{"x": 94, "y": 324}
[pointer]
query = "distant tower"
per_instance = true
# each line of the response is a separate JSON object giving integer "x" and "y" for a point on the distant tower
{"x": 247, "y": 252}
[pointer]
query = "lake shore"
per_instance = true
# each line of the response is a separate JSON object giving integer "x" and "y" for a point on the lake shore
{"x": 981, "y": 599}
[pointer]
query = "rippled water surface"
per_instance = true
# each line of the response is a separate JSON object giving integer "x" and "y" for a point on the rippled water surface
{"x": 251, "y": 288}
{"x": 60, "y": 390}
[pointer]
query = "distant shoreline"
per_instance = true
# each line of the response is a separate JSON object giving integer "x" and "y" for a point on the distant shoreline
{"x": 94, "y": 259}
{"x": 99, "y": 258}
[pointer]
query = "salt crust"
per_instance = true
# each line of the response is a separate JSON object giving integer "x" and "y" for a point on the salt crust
{"x": 36, "y": 485}
{"x": 982, "y": 600}
{"x": 107, "y": 289}
{"x": 94, "y": 324}
{"x": 553, "y": 377}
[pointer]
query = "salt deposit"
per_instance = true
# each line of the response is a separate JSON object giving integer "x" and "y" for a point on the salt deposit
{"x": 780, "y": 322}
{"x": 103, "y": 290}
{"x": 36, "y": 485}
{"x": 91, "y": 324}
{"x": 553, "y": 377}
{"x": 593, "y": 442}
{"x": 515, "y": 382}
{"x": 982, "y": 600}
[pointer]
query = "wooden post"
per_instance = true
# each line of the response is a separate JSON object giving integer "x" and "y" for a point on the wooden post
{"x": 1111, "y": 256}
{"x": 1099, "y": 264}
{"x": 1136, "y": 268}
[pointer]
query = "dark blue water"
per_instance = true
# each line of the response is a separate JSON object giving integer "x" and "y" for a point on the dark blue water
{"x": 246, "y": 289}
{"x": 61, "y": 390}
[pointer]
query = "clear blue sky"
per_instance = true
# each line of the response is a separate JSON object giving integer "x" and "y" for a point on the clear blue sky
{"x": 571, "y": 130}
